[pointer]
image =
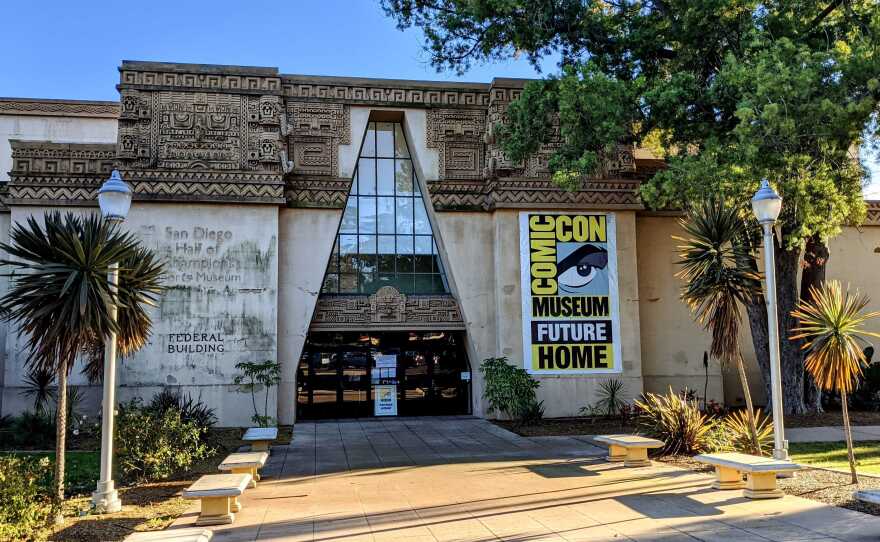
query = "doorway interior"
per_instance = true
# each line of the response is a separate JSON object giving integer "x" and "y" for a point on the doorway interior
{"x": 342, "y": 374}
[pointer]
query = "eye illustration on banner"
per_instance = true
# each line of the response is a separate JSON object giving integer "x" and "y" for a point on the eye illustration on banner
{"x": 584, "y": 264}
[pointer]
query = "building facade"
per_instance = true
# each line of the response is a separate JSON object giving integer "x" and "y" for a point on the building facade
{"x": 370, "y": 236}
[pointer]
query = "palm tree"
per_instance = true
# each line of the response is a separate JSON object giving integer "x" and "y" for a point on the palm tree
{"x": 833, "y": 326}
{"x": 60, "y": 299}
{"x": 719, "y": 281}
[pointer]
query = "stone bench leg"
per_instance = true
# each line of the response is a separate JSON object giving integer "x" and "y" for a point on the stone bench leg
{"x": 616, "y": 454}
{"x": 260, "y": 446}
{"x": 255, "y": 477}
{"x": 761, "y": 485}
{"x": 216, "y": 511}
{"x": 636, "y": 457}
{"x": 235, "y": 505}
{"x": 727, "y": 478}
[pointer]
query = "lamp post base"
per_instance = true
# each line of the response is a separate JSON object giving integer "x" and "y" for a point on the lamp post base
{"x": 105, "y": 498}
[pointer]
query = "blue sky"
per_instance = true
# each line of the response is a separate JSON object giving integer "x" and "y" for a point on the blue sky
{"x": 71, "y": 49}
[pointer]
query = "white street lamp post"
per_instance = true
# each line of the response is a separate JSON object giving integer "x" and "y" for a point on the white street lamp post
{"x": 766, "y": 205}
{"x": 114, "y": 198}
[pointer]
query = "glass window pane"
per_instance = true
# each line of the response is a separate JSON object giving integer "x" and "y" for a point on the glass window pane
{"x": 333, "y": 265}
{"x": 347, "y": 244}
{"x": 347, "y": 263}
{"x": 348, "y": 283}
{"x": 440, "y": 286}
{"x": 403, "y": 177}
{"x": 367, "y": 215}
{"x": 386, "y": 244}
{"x": 423, "y": 263}
{"x": 404, "y": 244}
{"x": 400, "y": 149}
{"x": 367, "y": 176}
{"x": 438, "y": 265}
{"x": 386, "y": 263}
{"x": 385, "y": 215}
{"x": 366, "y": 262}
{"x": 367, "y": 244}
{"x": 385, "y": 176}
{"x": 369, "y": 283}
{"x": 405, "y": 263}
{"x": 387, "y": 279}
{"x": 369, "y": 148}
{"x": 404, "y": 215}
{"x": 404, "y": 283}
{"x": 423, "y": 244}
{"x": 424, "y": 284}
{"x": 349, "y": 218}
{"x": 331, "y": 283}
{"x": 421, "y": 223}
{"x": 354, "y": 184}
{"x": 384, "y": 139}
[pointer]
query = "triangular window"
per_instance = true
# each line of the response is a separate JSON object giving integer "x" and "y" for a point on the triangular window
{"x": 385, "y": 237}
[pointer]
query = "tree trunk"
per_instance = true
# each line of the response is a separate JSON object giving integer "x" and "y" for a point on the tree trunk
{"x": 847, "y": 431}
{"x": 813, "y": 276}
{"x": 757, "y": 312}
{"x": 747, "y": 394}
{"x": 60, "y": 438}
{"x": 791, "y": 357}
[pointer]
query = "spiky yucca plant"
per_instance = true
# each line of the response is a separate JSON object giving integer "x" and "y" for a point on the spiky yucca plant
{"x": 719, "y": 280}
{"x": 60, "y": 299}
{"x": 833, "y": 326}
{"x": 676, "y": 421}
{"x": 736, "y": 431}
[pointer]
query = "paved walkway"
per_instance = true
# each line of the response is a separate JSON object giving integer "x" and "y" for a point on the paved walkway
{"x": 831, "y": 434}
{"x": 464, "y": 479}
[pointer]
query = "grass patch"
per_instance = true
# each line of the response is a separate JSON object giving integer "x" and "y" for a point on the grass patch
{"x": 833, "y": 455}
{"x": 81, "y": 469}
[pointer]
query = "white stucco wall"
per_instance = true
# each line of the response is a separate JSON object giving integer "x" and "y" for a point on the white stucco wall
{"x": 306, "y": 240}
{"x": 220, "y": 307}
{"x": 58, "y": 129}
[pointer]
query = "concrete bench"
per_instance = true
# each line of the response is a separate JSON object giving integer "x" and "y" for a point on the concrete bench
{"x": 631, "y": 449}
{"x": 760, "y": 473}
{"x": 245, "y": 463}
{"x": 219, "y": 496}
{"x": 173, "y": 535}
{"x": 260, "y": 438}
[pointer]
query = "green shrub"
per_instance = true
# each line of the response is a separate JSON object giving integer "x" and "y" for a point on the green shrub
{"x": 191, "y": 410}
{"x": 677, "y": 421}
{"x": 25, "y": 506}
{"x": 733, "y": 433}
{"x": 34, "y": 430}
{"x": 509, "y": 390}
{"x": 155, "y": 446}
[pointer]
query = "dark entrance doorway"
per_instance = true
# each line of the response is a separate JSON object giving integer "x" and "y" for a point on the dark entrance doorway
{"x": 341, "y": 374}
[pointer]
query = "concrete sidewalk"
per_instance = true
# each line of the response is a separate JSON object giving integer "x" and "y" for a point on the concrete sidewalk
{"x": 831, "y": 434}
{"x": 464, "y": 479}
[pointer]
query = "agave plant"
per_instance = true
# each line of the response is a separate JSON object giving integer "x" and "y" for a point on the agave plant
{"x": 719, "y": 280}
{"x": 611, "y": 396}
{"x": 736, "y": 432}
{"x": 60, "y": 299}
{"x": 675, "y": 420}
{"x": 833, "y": 326}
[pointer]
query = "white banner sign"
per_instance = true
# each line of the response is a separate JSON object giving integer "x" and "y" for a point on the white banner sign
{"x": 570, "y": 307}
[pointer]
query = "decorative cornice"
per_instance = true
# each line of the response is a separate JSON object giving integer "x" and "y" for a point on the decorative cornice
{"x": 58, "y": 108}
{"x": 873, "y": 216}
{"x": 520, "y": 193}
{"x": 362, "y": 91}
{"x": 317, "y": 193}
{"x": 136, "y": 75}
{"x": 387, "y": 309}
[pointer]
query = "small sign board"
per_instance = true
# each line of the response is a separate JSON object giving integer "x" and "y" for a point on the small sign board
{"x": 386, "y": 400}
{"x": 466, "y": 376}
{"x": 384, "y": 361}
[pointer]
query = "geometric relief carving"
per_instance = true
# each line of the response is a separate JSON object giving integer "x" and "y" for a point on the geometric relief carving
{"x": 317, "y": 193}
{"x": 458, "y": 136}
{"x": 387, "y": 308}
{"x": 525, "y": 193}
{"x": 315, "y": 132}
{"x": 58, "y": 172}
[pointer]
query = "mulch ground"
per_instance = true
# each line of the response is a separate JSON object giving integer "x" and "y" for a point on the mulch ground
{"x": 608, "y": 425}
{"x": 830, "y": 487}
{"x": 146, "y": 506}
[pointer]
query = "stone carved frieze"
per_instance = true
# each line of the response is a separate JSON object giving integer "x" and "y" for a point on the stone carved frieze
{"x": 59, "y": 172}
{"x": 458, "y": 136}
{"x": 387, "y": 308}
{"x": 198, "y": 133}
{"x": 379, "y": 92}
{"x": 317, "y": 193}
{"x": 528, "y": 193}
{"x": 58, "y": 108}
{"x": 314, "y": 132}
